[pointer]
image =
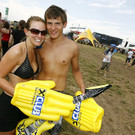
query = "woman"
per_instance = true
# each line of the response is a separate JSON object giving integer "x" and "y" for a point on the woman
{"x": 0, "y": 35}
{"x": 20, "y": 64}
{"x": 5, "y": 31}
{"x": 107, "y": 60}
{"x": 17, "y": 34}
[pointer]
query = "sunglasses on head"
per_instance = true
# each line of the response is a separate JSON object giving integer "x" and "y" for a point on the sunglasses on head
{"x": 36, "y": 32}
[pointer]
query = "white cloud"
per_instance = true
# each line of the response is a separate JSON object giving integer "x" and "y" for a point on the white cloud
{"x": 106, "y": 27}
{"x": 18, "y": 11}
{"x": 109, "y": 28}
{"x": 79, "y": 1}
{"x": 107, "y": 3}
{"x": 92, "y": 24}
{"x": 125, "y": 11}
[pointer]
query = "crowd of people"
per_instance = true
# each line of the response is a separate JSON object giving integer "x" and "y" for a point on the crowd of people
{"x": 28, "y": 54}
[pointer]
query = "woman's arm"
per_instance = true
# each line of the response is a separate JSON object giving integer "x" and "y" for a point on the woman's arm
{"x": 10, "y": 40}
{"x": 8, "y": 62}
{"x": 105, "y": 56}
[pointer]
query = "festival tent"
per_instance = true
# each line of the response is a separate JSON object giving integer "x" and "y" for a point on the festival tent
{"x": 88, "y": 34}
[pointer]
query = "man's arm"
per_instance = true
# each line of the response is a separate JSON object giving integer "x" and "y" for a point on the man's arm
{"x": 127, "y": 54}
{"x": 76, "y": 71}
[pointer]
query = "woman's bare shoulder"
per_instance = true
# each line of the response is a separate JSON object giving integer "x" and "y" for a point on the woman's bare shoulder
{"x": 4, "y": 30}
{"x": 12, "y": 57}
{"x": 16, "y": 50}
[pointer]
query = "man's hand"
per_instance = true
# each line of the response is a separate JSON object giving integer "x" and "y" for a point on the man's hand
{"x": 83, "y": 90}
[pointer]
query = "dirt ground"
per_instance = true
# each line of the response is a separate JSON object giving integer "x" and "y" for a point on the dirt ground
{"x": 118, "y": 102}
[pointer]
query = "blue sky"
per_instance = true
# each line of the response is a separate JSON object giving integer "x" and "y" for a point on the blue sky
{"x": 111, "y": 17}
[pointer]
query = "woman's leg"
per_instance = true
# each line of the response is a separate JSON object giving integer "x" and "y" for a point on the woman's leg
{"x": 8, "y": 133}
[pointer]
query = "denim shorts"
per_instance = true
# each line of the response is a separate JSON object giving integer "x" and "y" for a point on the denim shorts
{"x": 128, "y": 60}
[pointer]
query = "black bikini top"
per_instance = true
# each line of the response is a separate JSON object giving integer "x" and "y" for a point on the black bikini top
{"x": 25, "y": 70}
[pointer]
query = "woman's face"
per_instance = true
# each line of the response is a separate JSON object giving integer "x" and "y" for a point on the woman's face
{"x": 36, "y": 33}
{"x": 111, "y": 49}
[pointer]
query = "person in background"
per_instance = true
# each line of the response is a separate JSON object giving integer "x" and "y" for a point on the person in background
{"x": 20, "y": 64}
{"x": 5, "y": 31}
{"x": 0, "y": 34}
{"x": 107, "y": 60}
{"x": 105, "y": 45}
{"x": 0, "y": 15}
{"x": 133, "y": 62}
{"x": 129, "y": 56}
{"x": 18, "y": 34}
{"x": 57, "y": 54}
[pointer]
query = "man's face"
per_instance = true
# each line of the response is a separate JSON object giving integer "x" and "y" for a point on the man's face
{"x": 55, "y": 27}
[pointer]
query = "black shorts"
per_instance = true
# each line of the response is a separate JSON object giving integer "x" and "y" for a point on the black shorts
{"x": 128, "y": 60}
{"x": 133, "y": 63}
{"x": 9, "y": 114}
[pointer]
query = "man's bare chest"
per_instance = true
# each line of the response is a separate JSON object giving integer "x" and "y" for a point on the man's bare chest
{"x": 56, "y": 56}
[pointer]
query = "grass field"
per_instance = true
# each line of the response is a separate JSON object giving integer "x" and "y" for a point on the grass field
{"x": 118, "y": 102}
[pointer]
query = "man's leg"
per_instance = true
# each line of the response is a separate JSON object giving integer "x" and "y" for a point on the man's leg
{"x": 105, "y": 74}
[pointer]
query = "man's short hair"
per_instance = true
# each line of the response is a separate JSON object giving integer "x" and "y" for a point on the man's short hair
{"x": 54, "y": 12}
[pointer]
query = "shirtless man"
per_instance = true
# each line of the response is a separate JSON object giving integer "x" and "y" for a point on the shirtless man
{"x": 58, "y": 53}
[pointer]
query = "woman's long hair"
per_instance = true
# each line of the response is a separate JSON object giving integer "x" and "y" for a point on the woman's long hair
{"x": 6, "y": 25}
{"x": 107, "y": 51}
